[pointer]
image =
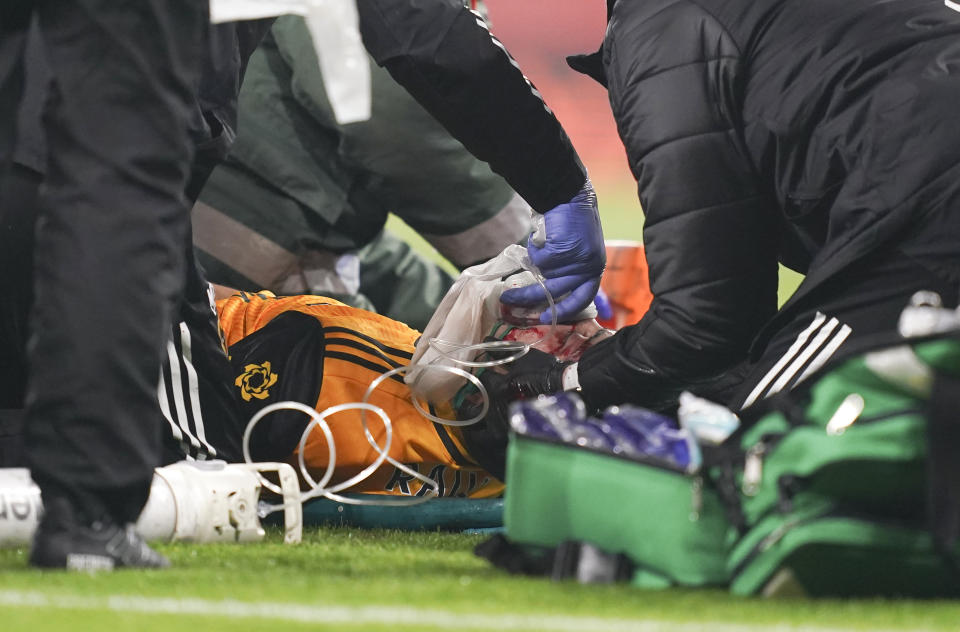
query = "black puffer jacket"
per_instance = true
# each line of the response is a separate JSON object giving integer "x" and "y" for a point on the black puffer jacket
{"x": 807, "y": 131}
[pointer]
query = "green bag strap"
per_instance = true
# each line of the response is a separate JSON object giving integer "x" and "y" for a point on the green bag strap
{"x": 943, "y": 465}
{"x": 721, "y": 462}
{"x": 719, "y": 465}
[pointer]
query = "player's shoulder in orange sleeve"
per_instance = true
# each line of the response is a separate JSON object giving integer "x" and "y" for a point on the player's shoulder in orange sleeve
{"x": 245, "y": 312}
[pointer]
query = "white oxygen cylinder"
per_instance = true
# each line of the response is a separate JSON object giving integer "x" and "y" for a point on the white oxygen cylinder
{"x": 20, "y": 507}
{"x": 212, "y": 501}
{"x": 201, "y": 501}
{"x": 197, "y": 501}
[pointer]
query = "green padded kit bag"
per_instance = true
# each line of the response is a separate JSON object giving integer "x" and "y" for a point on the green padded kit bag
{"x": 669, "y": 524}
{"x": 620, "y": 497}
{"x": 848, "y": 485}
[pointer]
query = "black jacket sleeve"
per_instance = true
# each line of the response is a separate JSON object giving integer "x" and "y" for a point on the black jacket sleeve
{"x": 213, "y": 127}
{"x": 446, "y": 58}
{"x": 674, "y": 75}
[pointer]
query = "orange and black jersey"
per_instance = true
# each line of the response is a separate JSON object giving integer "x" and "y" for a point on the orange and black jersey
{"x": 320, "y": 352}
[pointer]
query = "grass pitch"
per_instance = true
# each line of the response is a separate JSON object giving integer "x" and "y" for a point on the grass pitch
{"x": 349, "y": 579}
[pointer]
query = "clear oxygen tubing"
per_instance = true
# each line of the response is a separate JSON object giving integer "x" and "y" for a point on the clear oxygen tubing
{"x": 320, "y": 488}
{"x": 448, "y": 350}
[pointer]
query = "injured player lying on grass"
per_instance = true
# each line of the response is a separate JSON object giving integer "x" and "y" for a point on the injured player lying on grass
{"x": 321, "y": 353}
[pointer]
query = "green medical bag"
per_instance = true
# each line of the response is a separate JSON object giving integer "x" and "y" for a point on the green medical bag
{"x": 821, "y": 549}
{"x": 671, "y": 525}
{"x": 850, "y": 483}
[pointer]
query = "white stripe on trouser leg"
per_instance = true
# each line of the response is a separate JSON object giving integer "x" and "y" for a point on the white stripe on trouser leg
{"x": 176, "y": 384}
{"x": 827, "y": 352}
{"x": 165, "y": 408}
{"x": 953, "y": 5}
{"x": 803, "y": 357}
{"x": 194, "y": 386}
{"x": 787, "y": 357}
{"x": 164, "y": 402}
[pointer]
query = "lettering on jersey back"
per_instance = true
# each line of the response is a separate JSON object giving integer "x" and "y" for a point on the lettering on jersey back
{"x": 449, "y": 480}
{"x": 401, "y": 480}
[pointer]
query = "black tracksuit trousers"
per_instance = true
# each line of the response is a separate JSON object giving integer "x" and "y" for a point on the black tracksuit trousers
{"x": 112, "y": 221}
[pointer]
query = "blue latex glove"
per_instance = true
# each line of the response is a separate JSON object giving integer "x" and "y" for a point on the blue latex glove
{"x": 602, "y": 303}
{"x": 572, "y": 258}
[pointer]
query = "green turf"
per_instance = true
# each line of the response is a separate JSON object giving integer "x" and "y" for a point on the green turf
{"x": 432, "y": 571}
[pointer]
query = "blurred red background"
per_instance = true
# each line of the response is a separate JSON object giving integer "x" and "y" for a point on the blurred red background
{"x": 540, "y": 34}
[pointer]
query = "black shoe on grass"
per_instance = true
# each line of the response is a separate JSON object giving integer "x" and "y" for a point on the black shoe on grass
{"x": 61, "y": 541}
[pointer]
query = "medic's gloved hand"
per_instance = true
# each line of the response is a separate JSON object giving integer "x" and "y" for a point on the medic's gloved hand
{"x": 603, "y": 305}
{"x": 536, "y": 373}
{"x": 572, "y": 258}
